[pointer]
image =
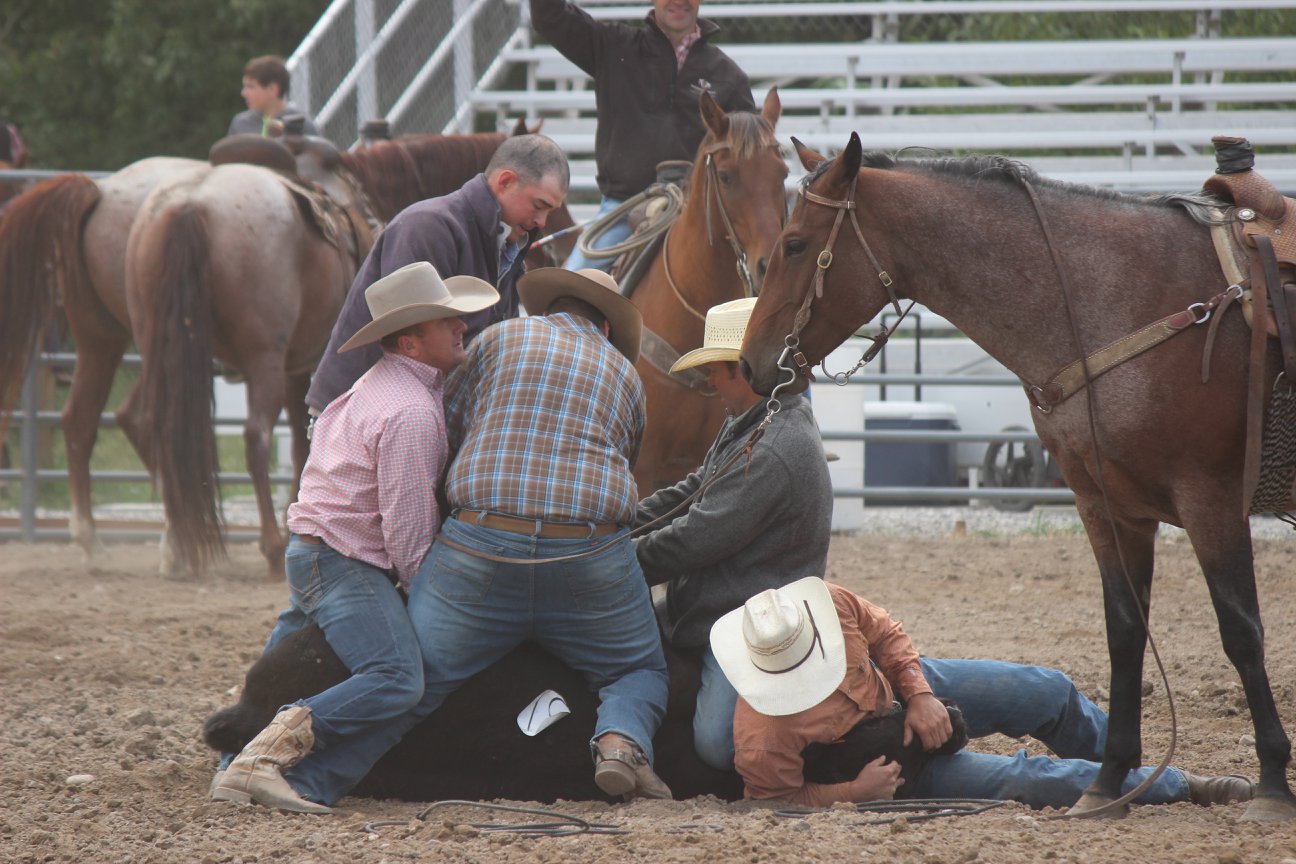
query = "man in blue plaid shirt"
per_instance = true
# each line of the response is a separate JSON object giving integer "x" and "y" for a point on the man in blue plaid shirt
{"x": 547, "y": 415}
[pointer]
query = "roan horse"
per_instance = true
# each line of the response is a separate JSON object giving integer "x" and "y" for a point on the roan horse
{"x": 64, "y": 243}
{"x": 736, "y": 204}
{"x": 962, "y": 237}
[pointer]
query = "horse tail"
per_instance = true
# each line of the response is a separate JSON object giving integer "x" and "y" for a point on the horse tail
{"x": 176, "y": 388}
{"x": 40, "y": 258}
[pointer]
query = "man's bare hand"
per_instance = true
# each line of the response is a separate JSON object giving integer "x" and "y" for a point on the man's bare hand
{"x": 876, "y": 781}
{"x": 927, "y": 718}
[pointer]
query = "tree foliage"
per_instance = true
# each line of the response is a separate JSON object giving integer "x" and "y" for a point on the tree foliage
{"x": 97, "y": 84}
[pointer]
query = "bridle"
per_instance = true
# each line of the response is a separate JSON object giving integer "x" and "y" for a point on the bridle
{"x": 711, "y": 190}
{"x": 792, "y": 342}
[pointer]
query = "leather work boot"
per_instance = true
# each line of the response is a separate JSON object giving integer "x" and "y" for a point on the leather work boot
{"x": 621, "y": 768}
{"x": 254, "y": 775}
{"x": 1224, "y": 789}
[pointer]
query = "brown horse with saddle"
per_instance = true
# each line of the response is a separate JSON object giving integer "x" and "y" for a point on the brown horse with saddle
{"x": 1122, "y": 316}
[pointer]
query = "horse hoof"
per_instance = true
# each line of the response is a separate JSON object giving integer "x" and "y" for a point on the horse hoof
{"x": 1091, "y": 806}
{"x": 1270, "y": 809}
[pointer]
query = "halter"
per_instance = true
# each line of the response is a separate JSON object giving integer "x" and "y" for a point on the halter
{"x": 792, "y": 342}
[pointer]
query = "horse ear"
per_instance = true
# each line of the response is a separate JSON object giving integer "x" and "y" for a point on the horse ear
{"x": 848, "y": 162}
{"x": 773, "y": 108}
{"x": 810, "y": 160}
{"x": 520, "y": 127}
{"x": 713, "y": 115}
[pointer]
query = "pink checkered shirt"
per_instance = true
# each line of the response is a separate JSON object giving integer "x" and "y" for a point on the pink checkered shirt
{"x": 682, "y": 49}
{"x": 377, "y": 455}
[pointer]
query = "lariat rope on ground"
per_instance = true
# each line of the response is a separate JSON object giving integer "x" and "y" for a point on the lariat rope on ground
{"x": 596, "y": 229}
{"x": 559, "y": 824}
{"x": 910, "y": 810}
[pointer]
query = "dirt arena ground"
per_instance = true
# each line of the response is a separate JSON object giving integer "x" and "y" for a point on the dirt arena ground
{"x": 106, "y": 676}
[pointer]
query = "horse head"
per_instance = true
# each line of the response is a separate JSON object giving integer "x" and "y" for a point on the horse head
{"x": 738, "y": 183}
{"x": 812, "y": 299}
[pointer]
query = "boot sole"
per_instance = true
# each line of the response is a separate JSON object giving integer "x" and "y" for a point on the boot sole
{"x": 238, "y": 796}
{"x": 614, "y": 777}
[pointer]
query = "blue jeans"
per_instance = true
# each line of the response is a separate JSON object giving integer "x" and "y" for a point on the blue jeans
{"x": 1017, "y": 700}
{"x": 713, "y": 716}
{"x": 365, "y": 623}
{"x": 591, "y": 613}
{"x": 615, "y": 234}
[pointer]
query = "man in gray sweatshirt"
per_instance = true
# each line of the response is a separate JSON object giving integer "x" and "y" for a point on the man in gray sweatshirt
{"x": 764, "y": 522}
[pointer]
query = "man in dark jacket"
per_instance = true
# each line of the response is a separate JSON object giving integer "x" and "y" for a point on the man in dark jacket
{"x": 483, "y": 229}
{"x": 647, "y": 80}
{"x": 764, "y": 522}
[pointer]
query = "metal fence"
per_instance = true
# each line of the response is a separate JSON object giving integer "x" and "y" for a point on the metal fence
{"x": 28, "y": 420}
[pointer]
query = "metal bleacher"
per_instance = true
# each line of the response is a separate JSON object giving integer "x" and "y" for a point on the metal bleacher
{"x": 1134, "y": 114}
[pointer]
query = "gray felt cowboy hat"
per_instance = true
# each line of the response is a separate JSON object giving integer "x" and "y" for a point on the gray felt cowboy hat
{"x": 783, "y": 650}
{"x": 416, "y": 293}
{"x": 539, "y": 288}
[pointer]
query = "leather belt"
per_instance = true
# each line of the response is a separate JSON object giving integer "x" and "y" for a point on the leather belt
{"x": 537, "y": 527}
{"x": 310, "y": 538}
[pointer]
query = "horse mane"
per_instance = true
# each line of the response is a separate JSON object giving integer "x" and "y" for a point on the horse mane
{"x": 1014, "y": 172}
{"x": 397, "y": 173}
{"x": 749, "y": 133}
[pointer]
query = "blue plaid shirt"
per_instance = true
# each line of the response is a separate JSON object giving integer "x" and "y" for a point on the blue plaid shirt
{"x": 547, "y": 418}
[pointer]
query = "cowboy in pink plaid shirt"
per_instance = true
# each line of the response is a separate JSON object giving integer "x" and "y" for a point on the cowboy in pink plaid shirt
{"x": 365, "y": 517}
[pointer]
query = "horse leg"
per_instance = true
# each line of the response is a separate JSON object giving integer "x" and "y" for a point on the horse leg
{"x": 1126, "y": 642}
{"x": 266, "y": 386}
{"x": 139, "y": 432}
{"x": 1224, "y": 551}
{"x": 92, "y": 377}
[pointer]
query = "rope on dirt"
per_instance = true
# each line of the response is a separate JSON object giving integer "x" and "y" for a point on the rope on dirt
{"x": 560, "y": 824}
{"x": 911, "y": 809}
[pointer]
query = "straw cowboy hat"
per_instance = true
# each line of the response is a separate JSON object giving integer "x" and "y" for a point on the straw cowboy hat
{"x": 723, "y": 336}
{"x": 783, "y": 650}
{"x": 541, "y": 287}
{"x": 416, "y": 293}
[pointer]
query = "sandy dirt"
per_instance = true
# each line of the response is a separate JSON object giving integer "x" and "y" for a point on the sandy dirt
{"x": 106, "y": 676}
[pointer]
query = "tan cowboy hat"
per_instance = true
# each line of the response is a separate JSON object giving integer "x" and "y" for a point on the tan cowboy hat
{"x": 416, "y": 293}
{"x": 723, "y": 336}
{"x": 541, "y": 287}
{"x": 783, "y": 650}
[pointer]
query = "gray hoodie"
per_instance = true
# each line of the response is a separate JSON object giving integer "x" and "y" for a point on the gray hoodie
{"x": 764, "y": 524}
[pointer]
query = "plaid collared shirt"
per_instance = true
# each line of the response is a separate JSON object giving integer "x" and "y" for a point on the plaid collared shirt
{"x": 547, "y": 417}
{"x": 377, "y": 453}
{"x": 682, "y": 49}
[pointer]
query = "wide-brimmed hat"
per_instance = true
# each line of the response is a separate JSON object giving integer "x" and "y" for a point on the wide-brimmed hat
{"x": 723, "y": 336}
{"x": 541, "y": 287}
{"x": 783, "y": 650}
{"x": 416, "y": 293}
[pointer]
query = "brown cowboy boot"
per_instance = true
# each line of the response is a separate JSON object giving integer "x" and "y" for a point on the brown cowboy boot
{"x": 254, "y": 775}
{"x": 621, "y": 768}
{"x": 1224, "y": 789}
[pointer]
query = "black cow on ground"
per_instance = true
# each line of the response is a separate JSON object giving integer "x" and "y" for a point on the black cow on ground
{"x": 471, "y": 747}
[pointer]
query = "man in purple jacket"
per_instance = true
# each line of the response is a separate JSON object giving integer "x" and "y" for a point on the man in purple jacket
{"x": 483, "y": 229}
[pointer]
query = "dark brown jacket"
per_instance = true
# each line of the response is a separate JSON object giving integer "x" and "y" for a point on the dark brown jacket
{"x": 648, "y": 110}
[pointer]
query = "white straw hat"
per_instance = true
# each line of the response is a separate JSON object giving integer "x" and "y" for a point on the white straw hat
{"x": 783, "y": 650}
{"x": 416, "y": 293}
{"x": 722, "y": 339}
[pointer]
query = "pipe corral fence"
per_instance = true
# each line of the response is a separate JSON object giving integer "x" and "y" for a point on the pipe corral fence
{"x": 846, "y": 432}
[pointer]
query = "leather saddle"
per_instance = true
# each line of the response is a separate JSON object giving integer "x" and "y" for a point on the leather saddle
{"x": 348, "y": 226}
{"x": 1255, "y": 241}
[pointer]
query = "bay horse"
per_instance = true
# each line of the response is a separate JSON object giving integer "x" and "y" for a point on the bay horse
{"x": 736, "y": 203}
{"x": 63, "y": 250}
{"x": 962, "y": 237}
